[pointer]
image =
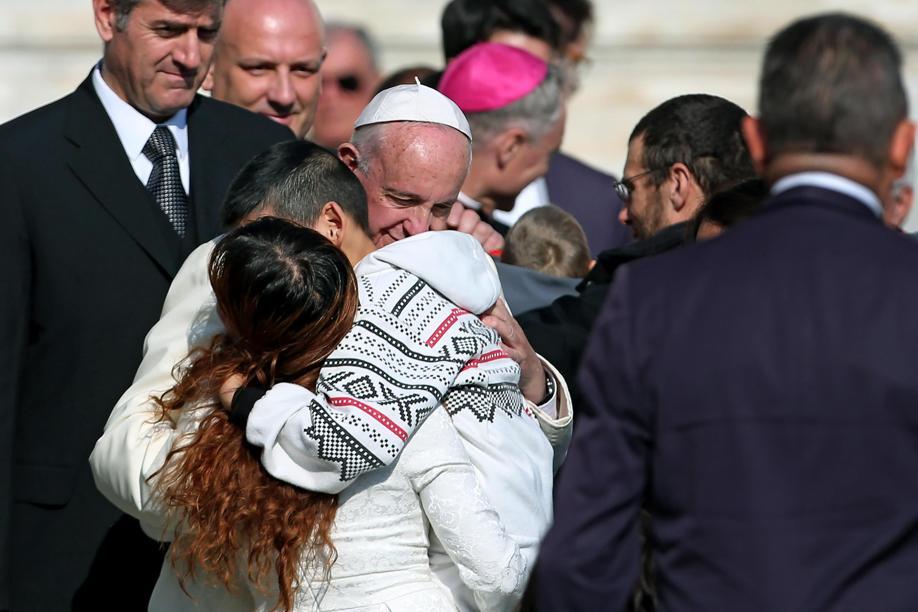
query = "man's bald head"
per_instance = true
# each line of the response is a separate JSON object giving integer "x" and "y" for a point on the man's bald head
{"x": 267, "y": 59}
{"x": 411, "y": 171}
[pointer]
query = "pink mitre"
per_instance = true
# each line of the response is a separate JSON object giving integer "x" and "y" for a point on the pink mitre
{"x": 488, "y": 76}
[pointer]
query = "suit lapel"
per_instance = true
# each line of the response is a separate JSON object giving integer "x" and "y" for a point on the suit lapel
{"x": 207, "y": 193}
{"x": 97, "y": 159}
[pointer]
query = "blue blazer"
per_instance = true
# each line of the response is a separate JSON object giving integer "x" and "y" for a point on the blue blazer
{"x": 758, "y": 394}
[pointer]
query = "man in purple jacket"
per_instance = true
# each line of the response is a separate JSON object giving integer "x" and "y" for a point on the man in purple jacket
{"x": 757, "y": 392}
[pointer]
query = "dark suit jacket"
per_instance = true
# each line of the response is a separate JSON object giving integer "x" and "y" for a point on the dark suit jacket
{"x": 759, "y": 394}
{"x": 587, "y": 194}
{"x": 89, "y": 257}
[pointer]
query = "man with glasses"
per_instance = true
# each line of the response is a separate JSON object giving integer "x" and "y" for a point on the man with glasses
{"x": 679, "y": 154}
{"x": 349, "y": 79}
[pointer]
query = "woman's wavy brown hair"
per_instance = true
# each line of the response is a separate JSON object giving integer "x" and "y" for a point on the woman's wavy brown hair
{"x": 287, "y": 297}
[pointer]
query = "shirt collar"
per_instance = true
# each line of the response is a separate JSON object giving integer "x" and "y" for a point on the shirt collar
{"x": 133, "y": 128}
{"x": 833, "y": 182}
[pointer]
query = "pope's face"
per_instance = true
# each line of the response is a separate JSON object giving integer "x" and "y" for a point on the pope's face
{"x": 413, "y": 176}
{"x": 157, "y": 62}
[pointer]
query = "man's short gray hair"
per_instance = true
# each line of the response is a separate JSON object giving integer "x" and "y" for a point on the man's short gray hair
{"x": 123, "y": 8}
{"x": 536, "y": 113}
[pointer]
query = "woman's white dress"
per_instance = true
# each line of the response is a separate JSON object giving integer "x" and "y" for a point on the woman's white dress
{"x": 382, "y": 541}
{"x": 381, "y": 538}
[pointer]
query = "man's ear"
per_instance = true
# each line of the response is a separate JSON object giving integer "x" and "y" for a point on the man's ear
{"x": 349, "y": 154}
{"x": 683, "y": 186}
{"x": 896, "y": 211}
{"x": 106, "y": 19}
{"x": 208, "y": 84}
{"x": 331, "y": 223}
{"x": 900, "y": 147}
{"x": 508, "y": 145}
{"x": 754, "y": 135}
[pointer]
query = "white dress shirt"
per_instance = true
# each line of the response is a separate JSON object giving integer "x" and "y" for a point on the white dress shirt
{"x": 534, "y": 195}
{"x": 833, "y": 182}
{"x": 134, "y": 130}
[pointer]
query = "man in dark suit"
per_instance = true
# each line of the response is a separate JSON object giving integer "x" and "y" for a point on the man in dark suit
{"x": 679, "y": 154}
{"x": 757, "y": 392}
{"x": 103, "y": 194}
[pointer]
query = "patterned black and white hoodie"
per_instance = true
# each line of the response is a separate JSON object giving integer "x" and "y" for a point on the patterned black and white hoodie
{"x": 418, "y": 343}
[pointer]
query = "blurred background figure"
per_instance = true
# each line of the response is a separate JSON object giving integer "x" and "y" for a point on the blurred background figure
{"x": 546, "y": 255}
{"x": 407, "y": 76}
{"x": 526, "y": 24}
{"x": 350, "y": 75}
{"x": 512, "y": 100}
{"x": 267, "y": 60}
{"x": 570, "y": 184}
{"x": 575, "y": 25}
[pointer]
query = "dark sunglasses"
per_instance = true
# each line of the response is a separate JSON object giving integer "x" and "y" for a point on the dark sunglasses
{"x": 348, "y": 82}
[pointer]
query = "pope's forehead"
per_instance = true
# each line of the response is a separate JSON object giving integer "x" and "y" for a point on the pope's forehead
{"x": 421, "y": 159}
{"x": 423, "y": 140}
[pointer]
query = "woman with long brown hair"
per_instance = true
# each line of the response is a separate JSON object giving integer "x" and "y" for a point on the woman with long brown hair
{"x": 287, "y": 297}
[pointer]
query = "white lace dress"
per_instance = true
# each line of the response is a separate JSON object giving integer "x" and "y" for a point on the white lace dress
{"x": 381, "y": 535}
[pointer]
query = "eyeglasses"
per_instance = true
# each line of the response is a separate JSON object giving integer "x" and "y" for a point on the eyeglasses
{"x": 624, "y": 187}
{"x": 348, "y": 83}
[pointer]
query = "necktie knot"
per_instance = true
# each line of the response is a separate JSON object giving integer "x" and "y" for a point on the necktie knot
{"x": 161, "y": 144}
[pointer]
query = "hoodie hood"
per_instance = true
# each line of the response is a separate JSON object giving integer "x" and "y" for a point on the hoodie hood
{"x": 452, "y": 263}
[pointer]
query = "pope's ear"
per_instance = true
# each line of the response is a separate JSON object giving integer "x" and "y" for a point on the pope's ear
{"x": 349, "y": 154}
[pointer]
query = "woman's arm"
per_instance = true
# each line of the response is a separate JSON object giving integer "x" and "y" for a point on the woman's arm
{"x": 468, "y": 527}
